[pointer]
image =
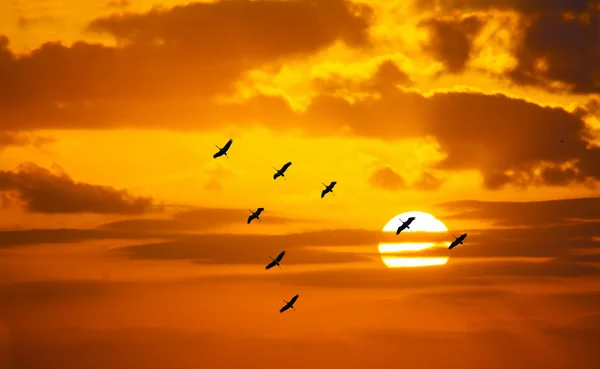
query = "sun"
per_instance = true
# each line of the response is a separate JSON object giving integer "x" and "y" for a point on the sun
{"x": 414, "y": 240}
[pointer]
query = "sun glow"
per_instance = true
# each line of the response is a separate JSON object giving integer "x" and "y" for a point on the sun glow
{"x": 423, "y": 222}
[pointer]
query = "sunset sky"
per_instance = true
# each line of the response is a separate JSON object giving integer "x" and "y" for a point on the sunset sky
{"x": 124, "y": 244}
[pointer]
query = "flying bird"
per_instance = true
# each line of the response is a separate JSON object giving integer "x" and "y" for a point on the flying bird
{"x": 255, "y": 214}
{"x": 289, "y": 304}
{"x": 457, "y": 240}
{"x": 276, "y": 261}
{"x": 281, "y": 172}
{"x": 328, "y": 189}
{"x": 404, "y": 225}
{"x": 223, "y": 151}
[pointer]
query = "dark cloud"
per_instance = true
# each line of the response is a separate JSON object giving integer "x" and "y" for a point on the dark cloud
{"x": 451, "y": 41}
{"x": 428, "y": 182}
{"x": 161, "y": 65}
{"x": 568, "y": 49}
{"x": 531, "y": 213}
{"x": 559, "y": 41}
{"x": 219, "y": 252}
{"x": 23, "y": 139}
{"x": 154, "y": 228}
{"x": 17, "y": 238}
{"x": 386, "y": 77}
{"x": 525, "y": 7}
{"x": 517, "y": 139}
{"x": 564, "y": 242}
{"x": 387, "y": 179}
{"x": 42, "y": 191}
{"x": 199, "y": 219}
{"x": 453, "y": 274}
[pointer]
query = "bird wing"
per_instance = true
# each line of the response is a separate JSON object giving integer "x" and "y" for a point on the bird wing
{"x": 270, "y": 265}
{"x": 227, "y": 145}
{"x": 294, "y": 299}
{"x": 280, "y": 256}
{"x": 284, "y": 308}
{"x": 218, "y": 154}
{"x": 398, "y": 230}
{"x": 276, "y": 175}
{"x": 250, "y": 218}
{"x": 285, "y": 166}
{"x": 323, "y": 193}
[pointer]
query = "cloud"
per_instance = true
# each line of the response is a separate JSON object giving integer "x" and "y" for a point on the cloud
{"x": 386, "y": 178}
{"x": 560, "y": 49}
{"x": 179, "y": 57}
{"x": 23, "y": 139}
{"x": 386, "y": 77}
{"x": 41, "y": 236}
{"x": 199, "y": 219}
{"x": 452, "y": 275}
{"x": 531, "y": 213}
{"x": 567, "y": 236}
{"x": 253, "y": 249}
{"x": 519, "y": 144}
{"x": 557, "y": 43}
{"x": 533, "y": 7}
{"x": 234, "y": 253}
{"x": 42, "y": 191}
{"x": 428, "y": 182}
{"x": 451, "y": 41}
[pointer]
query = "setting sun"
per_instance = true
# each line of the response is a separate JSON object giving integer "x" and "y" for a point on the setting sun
{"x": 423, "y": 222}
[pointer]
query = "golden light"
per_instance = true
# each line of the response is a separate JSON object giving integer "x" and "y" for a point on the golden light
{"x": 423, "y": 222}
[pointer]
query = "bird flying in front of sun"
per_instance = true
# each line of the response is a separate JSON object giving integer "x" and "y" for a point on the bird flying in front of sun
{"x": 423, "y": 223}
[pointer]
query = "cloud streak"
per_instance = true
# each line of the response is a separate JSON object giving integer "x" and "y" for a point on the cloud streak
{"x": 42, "y": 191}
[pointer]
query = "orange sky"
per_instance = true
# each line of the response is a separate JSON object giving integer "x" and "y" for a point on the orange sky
{"x": 124, "y": 244}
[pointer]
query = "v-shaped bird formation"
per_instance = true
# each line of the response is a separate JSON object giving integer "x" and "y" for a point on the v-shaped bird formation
{"x": 328, "y": 189}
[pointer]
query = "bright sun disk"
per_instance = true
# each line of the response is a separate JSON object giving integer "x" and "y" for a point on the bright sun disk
{"x": 423, "y": 222}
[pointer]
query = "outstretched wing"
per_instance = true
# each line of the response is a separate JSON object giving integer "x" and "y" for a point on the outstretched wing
{"x": 250, "y": 218}
{"x": 324, "y": 192}
{"x": 276, "y": 175}
{"x": 285, "y": 166}
{"x": 220, "y": 153}
{"x": 293, "y": 300}
{"x": 398, "y": 230}
{"x": 227, "y": 145}
{"x": 280, "y": 256}
{"x": 284, "y": 308}
{"x": 270, "y": 265}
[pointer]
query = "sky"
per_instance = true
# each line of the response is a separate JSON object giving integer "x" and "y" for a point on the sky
{"x": 124, "y": 243}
